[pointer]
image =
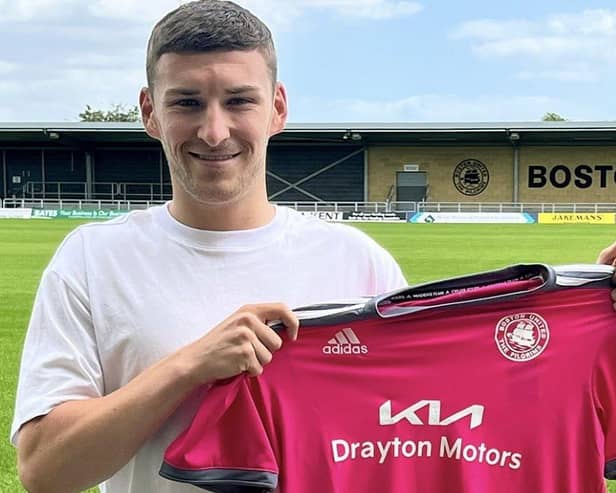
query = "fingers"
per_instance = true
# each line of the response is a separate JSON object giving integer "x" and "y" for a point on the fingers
{"x": 258, "y": 339}
{"x": 253, "y": 364}
{"x": 292, "y": 324}
{"x": 266, "y": 336}
{"x": 236, "y": 348}
{"x": 267, "y": 312}
{"x": 608, "y": 255}
{"x": 242, "y": 343}
{"x": 262, "y": 356}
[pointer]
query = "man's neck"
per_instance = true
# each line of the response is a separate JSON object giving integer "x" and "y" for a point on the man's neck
{"x": 228, "y": 217}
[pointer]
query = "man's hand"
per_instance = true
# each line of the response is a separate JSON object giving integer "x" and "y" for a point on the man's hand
{"x": 608, "y": 257}
{"x": 243, "y": 342}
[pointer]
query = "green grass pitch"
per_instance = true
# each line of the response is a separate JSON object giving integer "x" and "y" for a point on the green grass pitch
{"x": 425, "y": 252}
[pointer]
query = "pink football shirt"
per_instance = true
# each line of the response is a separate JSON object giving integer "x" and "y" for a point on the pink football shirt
{"x": 503, "y": 382}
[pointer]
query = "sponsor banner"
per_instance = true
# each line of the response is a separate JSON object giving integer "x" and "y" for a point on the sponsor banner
{"x": 375, "y": 216}
{"x": 325, "y": 215}
{"x": 76, "y": 213}
{"x": 473, "y": 217}
{"x": 24, "y": 213}
{"x": 577, "y": 218}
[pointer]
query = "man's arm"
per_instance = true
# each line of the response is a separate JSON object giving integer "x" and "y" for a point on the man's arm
{"x": 608, "y": 257}
{"x": 81, "y": 443}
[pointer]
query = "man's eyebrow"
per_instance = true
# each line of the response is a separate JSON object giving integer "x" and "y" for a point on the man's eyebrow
{"x": 242, "y": 89}
{"x": 181, "y": 92}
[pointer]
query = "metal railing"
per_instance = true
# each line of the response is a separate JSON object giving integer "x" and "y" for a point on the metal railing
{"x": 491, "y": 207}
{"x": 65, "y": 190}
{"x": 120, "y": 205}
{"x": 451, "y": 207}
{"x": 337, "y": 206}
{"x": 500, "y": 207}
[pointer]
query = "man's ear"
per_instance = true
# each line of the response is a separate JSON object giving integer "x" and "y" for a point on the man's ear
{"x": 146, "y": 104}
{"x": 279, "y": 115}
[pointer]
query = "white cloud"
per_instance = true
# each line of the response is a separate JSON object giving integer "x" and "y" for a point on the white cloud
{"x": 433, "y": 108}
{"x": 578, "y": 75}
{"x": 282, "y": 15}
{"x": 599, "y": 22}
{"x": 487, "y": 29}
{"x": 9, "y": 87}
{"x": 138, "y": 11}
{"x": 545, "y": 47}
{"x": 61, "y": 93}
{"x": 7, "y": 68}
{"x": 107, "y": 36}
{"x": 372, "y": 9}
{"x": 452, "y": 108}
{"x": 27, "y": 10}
{"x": 104, "y": 61}
{"x": 558, "y": 37}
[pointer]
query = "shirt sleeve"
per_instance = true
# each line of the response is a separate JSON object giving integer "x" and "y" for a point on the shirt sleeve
{"x": 227, "y": 448}
{"x": 388, "y": 274}
{"x": 60, "y": 359}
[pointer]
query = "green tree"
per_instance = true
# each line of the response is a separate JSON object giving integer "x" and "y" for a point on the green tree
{"x": 553, "y": 117}
{"x": 117, "y": 113}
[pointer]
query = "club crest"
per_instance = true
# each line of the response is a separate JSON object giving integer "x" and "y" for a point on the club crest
{"x": 522, "y": 336}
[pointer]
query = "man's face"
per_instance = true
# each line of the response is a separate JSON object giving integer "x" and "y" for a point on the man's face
{"x": 213, "y": 114}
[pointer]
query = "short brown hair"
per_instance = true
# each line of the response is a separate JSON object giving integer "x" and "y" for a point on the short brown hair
{"x": 209, "y": 25}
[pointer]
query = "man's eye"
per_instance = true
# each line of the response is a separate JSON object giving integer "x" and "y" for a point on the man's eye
{"x": 238, "y": 101}
{"x": 187, "y": 102}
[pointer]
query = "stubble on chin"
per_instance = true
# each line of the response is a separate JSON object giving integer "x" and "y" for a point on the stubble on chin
{"x": 218, "y": 191}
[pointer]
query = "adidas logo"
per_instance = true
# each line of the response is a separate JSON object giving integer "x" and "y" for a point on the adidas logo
{"x": 345, "y": 342}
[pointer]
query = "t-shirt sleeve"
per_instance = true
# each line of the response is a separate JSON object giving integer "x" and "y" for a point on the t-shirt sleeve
{"x": 388, "y": 274}
{"x": 60, "y": 360}
{"x": 227, "y": 448}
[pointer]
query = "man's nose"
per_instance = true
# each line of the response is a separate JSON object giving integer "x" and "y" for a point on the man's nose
{"x": 214, "y": 128}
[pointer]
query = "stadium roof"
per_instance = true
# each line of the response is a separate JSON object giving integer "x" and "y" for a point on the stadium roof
{"x": 543, "y": 133}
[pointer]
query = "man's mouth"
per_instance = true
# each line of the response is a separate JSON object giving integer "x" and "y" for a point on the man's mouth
{"x": 214, "y": 157}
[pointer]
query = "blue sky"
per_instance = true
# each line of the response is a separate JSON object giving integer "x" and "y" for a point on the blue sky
{"x": 341, "y": 60}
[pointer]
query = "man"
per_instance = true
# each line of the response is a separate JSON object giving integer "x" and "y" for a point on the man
{"x": 131, "y": 321}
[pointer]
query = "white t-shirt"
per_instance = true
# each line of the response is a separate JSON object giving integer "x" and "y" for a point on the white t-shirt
{"x": 118, "y": 296}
